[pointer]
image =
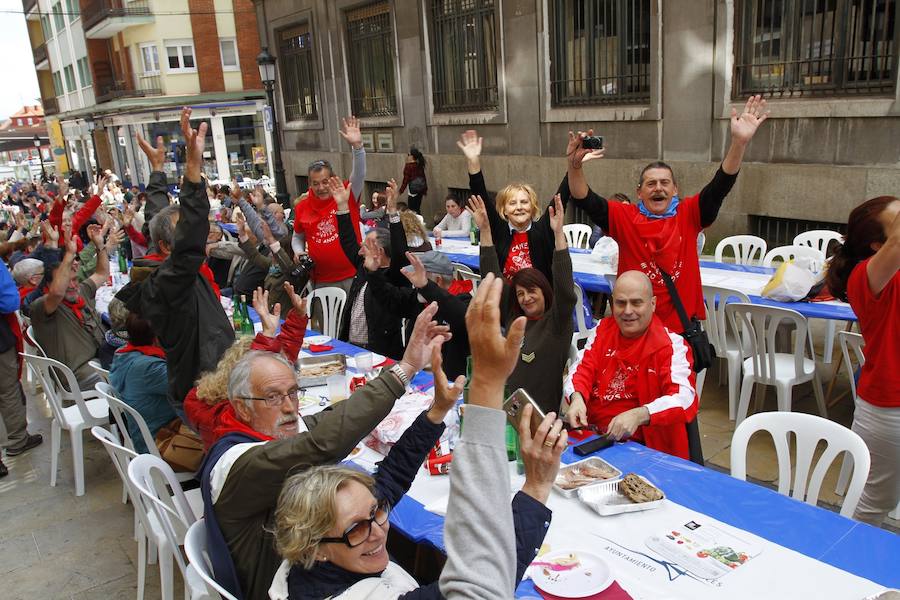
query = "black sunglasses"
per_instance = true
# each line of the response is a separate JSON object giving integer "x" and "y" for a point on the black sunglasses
{"x": 360, "y": 531}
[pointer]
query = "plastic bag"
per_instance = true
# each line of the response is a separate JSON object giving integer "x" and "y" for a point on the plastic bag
{"x": 791, "y": 282}
{"x": 606, "y": 252}
{"x": 405, "y": 411}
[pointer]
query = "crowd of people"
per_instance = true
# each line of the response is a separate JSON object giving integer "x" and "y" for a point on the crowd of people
{"x": 284, "y": 519}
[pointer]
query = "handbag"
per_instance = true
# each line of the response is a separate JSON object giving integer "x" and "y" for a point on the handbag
{"x": 416, "y": 186}
{"x": 180, "y": 447}
{"x": 693, "y": 333}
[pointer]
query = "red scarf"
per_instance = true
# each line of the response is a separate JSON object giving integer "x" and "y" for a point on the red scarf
{"x": 662, "y": 238}
{"x": 145, "y": 350}
{"x": 460, "y": 286}
{"x": 229, "y": 423}
{"x": 204, "y": 270}
{"x": 76, "y": 307}
{"x": 623, "y": 355}
{"x": 24, "y": 291}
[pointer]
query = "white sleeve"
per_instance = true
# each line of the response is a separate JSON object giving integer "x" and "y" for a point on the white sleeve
{"x": 298, "y": 243}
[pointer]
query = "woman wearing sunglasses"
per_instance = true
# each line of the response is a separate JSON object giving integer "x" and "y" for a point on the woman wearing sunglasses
{"x": 331, "y": 523}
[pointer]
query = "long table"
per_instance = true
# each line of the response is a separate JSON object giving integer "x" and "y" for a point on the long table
{"x": 591, "y": 276}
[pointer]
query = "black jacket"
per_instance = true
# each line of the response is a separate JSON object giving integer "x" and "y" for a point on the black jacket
{"x": 384, "y": 325}
{"x": 540, "y": 237}
{"x": 182, "y": 308}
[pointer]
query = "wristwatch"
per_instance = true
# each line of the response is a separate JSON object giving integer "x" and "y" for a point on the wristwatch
{"x": 399, "y": 373}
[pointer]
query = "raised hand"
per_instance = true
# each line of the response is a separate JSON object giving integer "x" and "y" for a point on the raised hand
{"x": 470, "y": 144}
{"x": 269, "y": 320}
{"x": 426, "y": 334}
{"x": 100, "y": 183}
{"x": 50, "y": 234}
{"x": 493, "y": 356}
{"x": 445, "y": 395}
{"x": 95, "y": 234}
{"x": 63, "y": 188}
{"x": 72, "y": 245}
{"x": 268, "y": 238}
{"x": 744, "y": 126}
{"x": 194, "y": 140}
{"x": 155, "y": 156}
{"x": 557, "y": 215}
{"x": 236, "y": 192}
{"x": 350, "y": 132}
{"x": 416, "y": 274}
{"x": 114, "y": 239}
{"x": 297, "y": 302}
{"x": 372, "y": 254}
{"x": 391, "y": 193}
{"x": 478, "y": 211}
{"x": 576, "y": 154}
{"x": 127, "y": 215}
{"x": 340, "y": 193}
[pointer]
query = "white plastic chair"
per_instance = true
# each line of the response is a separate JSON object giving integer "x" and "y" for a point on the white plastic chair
{"x": 153, "y": 478}
{"x": 198, "y": 557}
{"x": 121, "y": 413}
{"x": 728, "y": 344}
{"x": 701, "y": 243}
{"x": 88, "y": 410}
{"x": 820, "y": 239}
{"x": 99, "y": 370}
{"x": 808, "y": 431}
{"x": 463, "y": 272}
{"x": 786, "y": 253}
{"x": 747, "y": 249}
{"x": 582, "y": 331}
{"x": 577, "y": 235}
{"x": 765, "y": 365}
{"x": 332, "y": 299}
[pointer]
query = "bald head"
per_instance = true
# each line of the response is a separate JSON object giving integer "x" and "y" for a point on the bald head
{"x": 633, "y": 303}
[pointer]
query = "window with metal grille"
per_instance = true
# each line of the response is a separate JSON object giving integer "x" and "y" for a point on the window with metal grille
{"x": 464, "y": 55}
{"x": 780, "y": 231}
{"x": 298, "y": 74}
{"x": 370, "y": 64}
{"x": 600, "y": 52}
{"x": 798, "y": 48}
{"x": 302, "y": 182}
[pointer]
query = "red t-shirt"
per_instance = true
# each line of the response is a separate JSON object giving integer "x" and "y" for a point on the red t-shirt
{"x": 647, "y": 244}
{"x": 879, "y": 322}
{"x": 620, "y": 395}
{"x": 519, "y": 256}
{"x": 315, "y": 218}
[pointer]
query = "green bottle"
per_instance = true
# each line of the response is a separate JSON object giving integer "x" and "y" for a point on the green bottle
{"x": 123, "y": 263}
{"x": 473, "y": 233}
{"x": 247, "y": 322}
{"x": 237, "y": 316}
{"x": 512, "y": 442}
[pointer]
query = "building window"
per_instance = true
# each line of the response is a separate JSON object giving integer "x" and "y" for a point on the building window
{"x": 73, "y": 9}
{"x": 464, "y": 55}
{"x": 180, "y": 54}
{"x": 149, "y": 59}
{"x": 370, "y": 42}
{"x": 30, "y": 121}
{"x": 70, "y": 78}
{"x": 600, "y": 52}
{"x": 57, "y": 84}
{"x": 228, "y": 50}
{"x": 45, "y": 26}
{"x": 19, "y": 121}
{"x": 84, "y": 72}
{"x": 797, "y": 48}
{"x": 298, "y": 79}
{"x": 58, "y": 17}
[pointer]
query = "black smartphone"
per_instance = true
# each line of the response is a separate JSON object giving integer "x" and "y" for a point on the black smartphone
{"x": 592, "y": 142}
{"x": 514, "y": 405}
{"x": 592, "y": 446}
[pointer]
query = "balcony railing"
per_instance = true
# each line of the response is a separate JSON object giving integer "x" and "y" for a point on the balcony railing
{"x": 94, "y": 12}
{"x": 149, "y": 85}
{"x": 51, "y": 106}
{"x": 40, "y": 54}
{"x": 144, "y": 86}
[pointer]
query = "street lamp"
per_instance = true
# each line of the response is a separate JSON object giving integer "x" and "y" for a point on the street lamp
{"x": 92, "y": 125}
{"x": 266, "y": 64}
{"x": 37, "y": 144}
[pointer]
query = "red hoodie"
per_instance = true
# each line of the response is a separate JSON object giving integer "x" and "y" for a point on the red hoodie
{"x": 315, "y": 219}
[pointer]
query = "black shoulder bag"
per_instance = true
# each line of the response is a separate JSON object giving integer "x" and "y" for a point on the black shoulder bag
{"x": 703, "y": 351}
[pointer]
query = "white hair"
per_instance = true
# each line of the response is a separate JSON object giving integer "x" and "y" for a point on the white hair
{"x": 239, "y": 378}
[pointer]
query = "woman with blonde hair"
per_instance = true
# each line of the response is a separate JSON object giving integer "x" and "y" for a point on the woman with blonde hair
{"x": 522, "y": 235}
{"x": 416, "y": 236}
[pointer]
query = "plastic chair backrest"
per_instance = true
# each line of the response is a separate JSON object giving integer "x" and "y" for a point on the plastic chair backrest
{"x": 701, "y": 243}
{"x": 808, "y": 431}
{"x": 760, "y": 324}
{"x": 747, "y": 249}
{"x": 852, "y": 341}
{"x": 582, "y": 331}
{"x": 198, "y": 556}
{"x": 716, "y": 325}
{"x": 820, "y": 239}
{"x": 786, "y": 253}
{"x": 49, "y": 370}
{"x": 577, "y": 235}
{"x": 122, "y": 412}
{"x": 32, "y": 341}
{"x": 463, "y": 272}
{"x": 99, "y": 370}
{"x": 158, "y": 486}
{"x": 332, "y": 299}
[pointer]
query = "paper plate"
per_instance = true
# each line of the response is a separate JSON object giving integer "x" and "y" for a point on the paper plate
{"x": 316, "y": 340}
{"x": 591, "y": 576}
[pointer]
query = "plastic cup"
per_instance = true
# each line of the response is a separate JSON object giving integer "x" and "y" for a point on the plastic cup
{"x": 364, "y": 361}
{"x": 337, "y": 387}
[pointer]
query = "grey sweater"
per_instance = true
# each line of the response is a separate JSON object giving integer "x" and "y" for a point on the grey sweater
{"x": 480, "y": 541}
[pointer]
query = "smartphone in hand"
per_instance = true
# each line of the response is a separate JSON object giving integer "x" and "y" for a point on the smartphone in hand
{"x": 514, "y": 405}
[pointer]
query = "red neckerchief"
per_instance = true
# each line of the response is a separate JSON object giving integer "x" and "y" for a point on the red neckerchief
{"x": 460, "y": 286}
{"x": 613, "y": 342}
{"x": 662, "y": 237}
{"x": 145, "y": 350}
{"x": 227, "y": 422}
{"x": 204, "y": 270}
{"x": 76, "y": 307}
{"x": 24, "y": 291}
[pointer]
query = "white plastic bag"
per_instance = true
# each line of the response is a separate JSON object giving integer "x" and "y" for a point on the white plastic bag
{"x": 791, "y": 282}
{"x": 606, "y": 252}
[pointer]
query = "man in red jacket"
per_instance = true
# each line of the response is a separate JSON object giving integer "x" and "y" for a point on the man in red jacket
{"x": 635, "y": 379}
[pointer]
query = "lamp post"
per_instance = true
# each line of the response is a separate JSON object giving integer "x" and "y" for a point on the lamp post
{"x": 37, "y": 144}
{"x": 266, "y": 63}
{"x": 92, "y": 125}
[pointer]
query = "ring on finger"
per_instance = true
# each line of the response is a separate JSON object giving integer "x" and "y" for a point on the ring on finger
{"x": 548, "y": 443}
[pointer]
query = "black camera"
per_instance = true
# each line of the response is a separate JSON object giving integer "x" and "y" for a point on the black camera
{"x": 299, "y": 275}
{"x": 592, "y": 142}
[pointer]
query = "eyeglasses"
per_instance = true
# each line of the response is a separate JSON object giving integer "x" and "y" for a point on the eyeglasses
{"x": 360, "y": 531}
{"x": 275, "y": 400}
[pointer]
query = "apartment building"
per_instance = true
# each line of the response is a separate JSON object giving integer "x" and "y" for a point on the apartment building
{"x": 656, "y": 79}
{"x": 144, "y": 60}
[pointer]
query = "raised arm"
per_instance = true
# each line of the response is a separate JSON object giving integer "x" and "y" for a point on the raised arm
{"x": 351, "y": 133}
{"x": 61, "y": 277}
{"x": 564, "y": 298}
{"x": 101, "y": 272}
{"x": 575, "y": 183}
{"x": 884, "y": 265}
{"x": 157, "y": 186}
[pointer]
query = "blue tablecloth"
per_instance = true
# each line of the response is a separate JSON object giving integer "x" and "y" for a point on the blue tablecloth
{"x": 826, "y": 536}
